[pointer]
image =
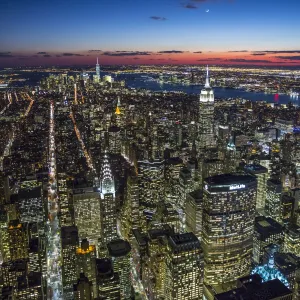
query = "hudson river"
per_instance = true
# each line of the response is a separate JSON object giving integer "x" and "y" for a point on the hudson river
{"x": 145, "y": 82}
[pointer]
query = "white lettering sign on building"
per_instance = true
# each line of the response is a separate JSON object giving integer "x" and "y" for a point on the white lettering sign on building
{"x": 236, "y": 187}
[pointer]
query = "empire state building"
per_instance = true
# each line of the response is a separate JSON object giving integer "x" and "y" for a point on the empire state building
{"x": 206, "y": 137}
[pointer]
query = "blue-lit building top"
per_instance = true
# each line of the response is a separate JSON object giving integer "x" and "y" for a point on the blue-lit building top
{"x": 269, "y": 272}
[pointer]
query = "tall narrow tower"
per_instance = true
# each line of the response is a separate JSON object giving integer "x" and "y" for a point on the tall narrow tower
{"x": 118, "y": 113}
{"x": 206, "y": 116}
{"x": 75, "y": 94}
{"x": 97, "y": 68}
{"x": 108, "y": 214}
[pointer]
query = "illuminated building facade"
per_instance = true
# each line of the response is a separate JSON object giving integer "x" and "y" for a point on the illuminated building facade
{"x": 69, "y": 244}
{"x": 64, "y": 199}
{"x": 184, "y": 268}
{"x": 18, "y": 240}
{"x": 86, "y": 203}
{"x": 266, "y": 232}
{"x": 4, "y": 237}
{"x": 86, "y": 262}
{"x": 11, "y": 270}
{"x": 194, "y": 166}
{"x": 287, "y": 205}
{"x": 292, "y": 240}
{"x": 212, "y": 167}
{"x": 154, "y": 271}
{"x": 173, "y": 166}
{"x": 31, "y": 205}
{"x": 151, "y": 180}
{"x": 185, "y": 186}
{"x": 228, "y": 224}
{"x": 75, "y": 94}
{"x": 108, "y": 281}
{"x": 193, "y": 212}
{"x": 206, "y": 136}
{"x": 169, "y": 215}
{"x": 37, "y": 256}
{"x": 262, "y": 176}
{"x": 108, "y": 214}
{"x": 275, "y": 163}
{"x": 273, "y": 199}
{"x": 30, "y": 287}
{"x": 120, "y": 253}
{"x": 130, "y": 214}
{"x": 119, "y": 114}
{"x": 114, "y": 140}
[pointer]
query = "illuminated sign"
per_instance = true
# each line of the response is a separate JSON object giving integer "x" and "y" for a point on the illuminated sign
{"x": 206, "y": 187}
{"x": 236, "y": 187}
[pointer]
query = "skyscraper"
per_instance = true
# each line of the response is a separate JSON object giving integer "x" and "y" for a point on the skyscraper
{"x": 98, "y": 69}
{"x": 75, "y": 94}
{"x": 262, "y": 176}
{"x": 184, "y": 268}
{"x": 206, "y": 116}
{"x": 83, "y": 288}
{"x": 151, "y": 180}
{"x": 18, "y": 240}
{"x": 130, "y": 213}
{"x": 86, "y": 262}
{"x": 273, "y": 199}
{"x": 29, "y": 287}
{"x": 173, "y": 167}
{"x": 108, "y": 281}
{"x": 114, "y": 140}
{"x": 108, "y": 215}
{"x": 11, "y": 270}
{"x": 86, "y": 204}
{"x": 69, "y": 243}
{"x": 228, "y": 224}
{"x": 119, "y": 251}
{"x": 4, "y": 236}
{"x": 193, "y": 212}
{"x": 119, "y": 114}
{"x": 37, "y": 256}
{"x": 30, "y": 205}
{"x": 266, "y": 232}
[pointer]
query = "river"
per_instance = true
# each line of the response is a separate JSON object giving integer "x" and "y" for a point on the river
{"x": 141, "y": 81}
{"x": 137, "y": 81}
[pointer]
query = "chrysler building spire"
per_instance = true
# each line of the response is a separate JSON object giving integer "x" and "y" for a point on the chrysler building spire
{"x": 107, "y": 181}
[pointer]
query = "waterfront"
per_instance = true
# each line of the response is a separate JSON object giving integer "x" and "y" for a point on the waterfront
{"x": 140, "y": 81}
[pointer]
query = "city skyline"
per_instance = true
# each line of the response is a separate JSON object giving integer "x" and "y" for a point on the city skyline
{"x": 172, "y": 32}
{"x": 114, "y": 192}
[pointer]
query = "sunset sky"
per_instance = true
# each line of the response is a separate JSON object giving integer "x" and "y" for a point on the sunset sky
{"x": 261, "y": 32}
